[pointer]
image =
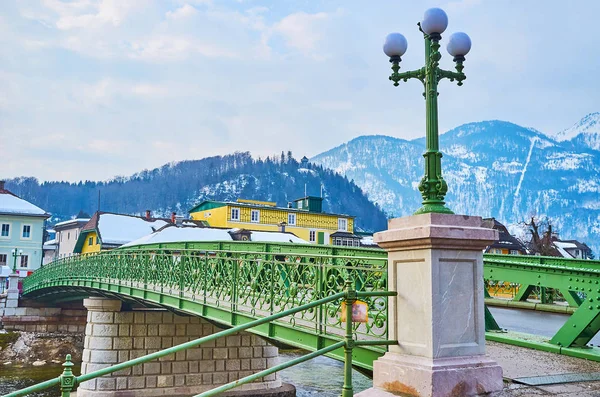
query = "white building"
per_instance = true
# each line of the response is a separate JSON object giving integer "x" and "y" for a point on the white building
{"x": 21, "y": 229}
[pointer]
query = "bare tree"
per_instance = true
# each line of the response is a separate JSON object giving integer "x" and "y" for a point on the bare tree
{"x": 541, "y": 237}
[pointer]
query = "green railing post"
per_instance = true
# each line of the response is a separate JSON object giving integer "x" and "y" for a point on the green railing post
{"x": 320, "y": 295}
{"x": 234, "y": 289}
{"x": 182, "y": 259}
{"x": 204, "y": 277}
{"x": 67, "y": 379}
{"x": 347, "y": 390}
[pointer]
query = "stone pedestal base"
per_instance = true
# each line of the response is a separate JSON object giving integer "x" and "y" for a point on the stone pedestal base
{"x": 397, "y": 374}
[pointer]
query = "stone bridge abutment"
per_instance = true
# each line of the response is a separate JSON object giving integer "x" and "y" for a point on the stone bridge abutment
{"x": 113, "y": 336}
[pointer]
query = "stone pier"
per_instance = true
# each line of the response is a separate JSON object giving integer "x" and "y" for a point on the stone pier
{"x": 114, "y": 336}
{"x": 435, "y": 264}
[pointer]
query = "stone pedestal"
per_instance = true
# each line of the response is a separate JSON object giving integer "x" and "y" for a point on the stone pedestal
{"x": 114, "y": 336}
{"x": 436, "y": 266}
{"x": 12, "y": 294}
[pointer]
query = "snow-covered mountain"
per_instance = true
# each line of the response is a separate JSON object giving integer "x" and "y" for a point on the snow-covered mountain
{"x": 493, "y": 168}
{"x": 585, "y": 134}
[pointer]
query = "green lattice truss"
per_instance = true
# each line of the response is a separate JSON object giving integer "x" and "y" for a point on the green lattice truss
{"x": 234, "y": 283}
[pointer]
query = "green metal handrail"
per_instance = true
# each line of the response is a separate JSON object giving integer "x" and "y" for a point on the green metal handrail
{"x": 240, "y": 281}
{"x": 68, "y": 381}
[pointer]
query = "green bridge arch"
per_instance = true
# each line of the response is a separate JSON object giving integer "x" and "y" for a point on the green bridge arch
{"x": 233, "y": 283}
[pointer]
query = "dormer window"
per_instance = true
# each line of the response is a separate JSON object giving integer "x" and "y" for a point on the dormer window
{"x": 343, "y": 224}
{"x": 235, "y": 214}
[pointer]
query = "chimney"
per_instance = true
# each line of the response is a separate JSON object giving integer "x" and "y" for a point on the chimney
{"x": 178, "y": 221}
{"x": 282, "y": 226}
{"x": 1, "y": 185}
{"x": 173, "y": 216}
{"x": 148, "y": 215}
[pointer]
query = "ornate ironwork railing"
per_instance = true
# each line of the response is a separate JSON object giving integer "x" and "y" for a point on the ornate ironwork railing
{"x": 252, "y": 279}
{"x": 68, "y": 381}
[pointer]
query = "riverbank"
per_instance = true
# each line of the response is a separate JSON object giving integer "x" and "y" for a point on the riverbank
{"x": 38, "y": 348}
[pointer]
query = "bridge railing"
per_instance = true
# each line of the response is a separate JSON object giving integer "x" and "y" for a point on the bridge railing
{"x": 255, "y": 280}
{"x": 68, "y": 381}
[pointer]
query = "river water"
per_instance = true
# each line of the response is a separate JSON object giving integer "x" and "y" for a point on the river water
{"x": 320, "y": 376}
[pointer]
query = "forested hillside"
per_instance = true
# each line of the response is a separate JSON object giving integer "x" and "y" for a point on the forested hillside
{"x": 178, "y": 186}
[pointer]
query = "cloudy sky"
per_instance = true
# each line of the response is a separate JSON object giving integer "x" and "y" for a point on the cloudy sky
{"x": 90, "y": 89}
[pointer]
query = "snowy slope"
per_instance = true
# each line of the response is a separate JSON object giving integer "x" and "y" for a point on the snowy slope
{"x": 584, "y": 134}
{"x": 493, "y": 168}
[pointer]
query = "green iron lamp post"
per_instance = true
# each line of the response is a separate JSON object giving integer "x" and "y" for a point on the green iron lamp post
{"x": 433, "y": 187}
{"x": 15, "y": 255}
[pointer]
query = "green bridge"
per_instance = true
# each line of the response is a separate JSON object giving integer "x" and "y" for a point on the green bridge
{"x": 233, "y": 284}
{"x": 236, "y": 284}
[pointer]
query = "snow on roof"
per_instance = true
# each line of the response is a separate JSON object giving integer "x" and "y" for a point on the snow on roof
{"x": 565, "y": 245}
{"x": 72, "y": 221}
{"x": 50, "y": 244}
{"x": 564, "y": 253}
{"x": 193, "y": 234}
{"x": 10, "y": 204}
{"x": 121, "y": 229}
{"x": 276, "y": 237}
{"x": 367, "y": 240}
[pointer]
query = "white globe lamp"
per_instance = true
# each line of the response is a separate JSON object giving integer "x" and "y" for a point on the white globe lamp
{"x": 435, "y": 21}
{"x": 395, "y": 45}
{"x": 459, "y": 45}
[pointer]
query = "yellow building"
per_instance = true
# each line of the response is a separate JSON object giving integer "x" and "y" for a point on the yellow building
{"x": 106, "y": 230}
{"x": 304, "y": 218}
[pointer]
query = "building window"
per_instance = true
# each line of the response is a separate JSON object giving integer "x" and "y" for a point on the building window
{"x": 300, "y": 205}
{"x": 291, "y": 219}
{"x": 514, "y": 252}
{"x": 91, "y": 241}
{"x": 97, "y": 240}
{"x": 5, "y": 232}
{"x": 255, "y": 216}
{"x": 69, "y": 236}
{"x": 3, "y": 259}
{"x": 356, "y": 243}
{"x": 24, "y": 260}
{"x": 312, "y": 236}
{"x": 235, "y": 214}
{"x": 342, "y": 224}
{"x": 26, "y": 231}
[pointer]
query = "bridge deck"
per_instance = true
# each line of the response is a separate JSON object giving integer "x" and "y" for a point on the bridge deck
{"x": 518, "y": 362}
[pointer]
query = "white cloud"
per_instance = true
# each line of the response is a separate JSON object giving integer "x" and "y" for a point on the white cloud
{"x": 174, "y": 48}
{"x": 184, "y": 12}
{"x": 90, "y": 15}
{"x": 302, "y": 31}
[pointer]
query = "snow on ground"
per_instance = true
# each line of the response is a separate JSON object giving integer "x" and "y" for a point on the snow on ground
{"x": 121, "y": 229}
{"x": 565, "y": 161}
{"x": 460, "y": 151}
{"x": 585, "y": 186}
{"x": 307, "y": 171}
{"x": 10, "y": 204}
{"x": 196, "y": 234}
{"x": 512, "y": 167}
